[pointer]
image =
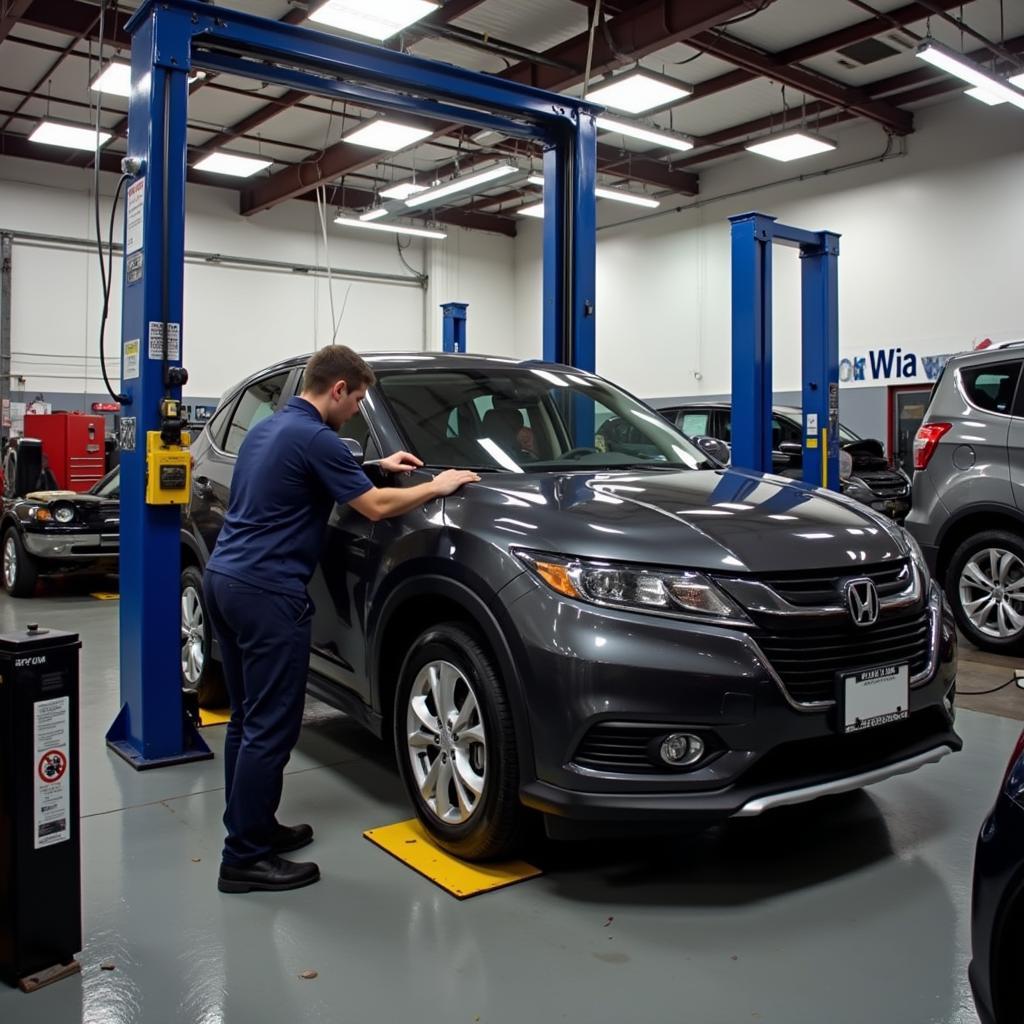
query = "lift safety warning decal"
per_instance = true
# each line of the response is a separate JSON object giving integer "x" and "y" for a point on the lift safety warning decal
{"x": 51, "y": 730}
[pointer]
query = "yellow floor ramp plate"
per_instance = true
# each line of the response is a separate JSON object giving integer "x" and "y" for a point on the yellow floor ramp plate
{"x": 217, "y": 716}
{"x": 408, "y": 842}
{"x": 103, "y": 596}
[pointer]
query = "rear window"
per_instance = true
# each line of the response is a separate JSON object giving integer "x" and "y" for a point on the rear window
{"x": 991, "y": 387}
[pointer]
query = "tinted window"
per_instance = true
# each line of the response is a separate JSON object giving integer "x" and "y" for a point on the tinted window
{"x": 109, "y": 486}
{"x": 991, "y": 387}
{"x": 258, "y": 401}
{"x": 218, "y": 423}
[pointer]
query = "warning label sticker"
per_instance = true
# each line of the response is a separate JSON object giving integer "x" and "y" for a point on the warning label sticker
{"x": 130, "y": 366}
{"x": 133, "y": 220}
{"x": 156, "y": 340}
{"x": 51, "y": 738}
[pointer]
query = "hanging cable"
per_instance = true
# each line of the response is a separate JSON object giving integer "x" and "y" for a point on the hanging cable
{"x": 321, "y": 205}
{"x": 595, "y": 14}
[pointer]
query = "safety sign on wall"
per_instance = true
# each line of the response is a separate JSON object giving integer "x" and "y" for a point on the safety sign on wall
{"x": 52, "y": 783}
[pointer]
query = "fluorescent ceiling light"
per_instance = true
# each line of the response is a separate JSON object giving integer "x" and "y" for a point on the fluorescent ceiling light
{"x": 985, "y": 96}
{"x": 792, "y": 146}
{"x": 383, "y": 134}
{"x": 637, "y": 91}
{"x": 963, "y": 68}
{"x": 403, "y": 190}
{"x": 395, "y": 229}
{"x": 607, "y": 193}
{"x": 463, "y": 184}
{"x": 533, "y": 210}
{"x": 658, "y": 138}
{"x": 1017, "y": 80}
{"x": 114, "y": 80}
{"x": 487, "y": 136}
{"x": 375, "y": 214}
{"x": 375, "y": 19}
{"x": 228, "y": 163}
{"x": 52, "y": 133}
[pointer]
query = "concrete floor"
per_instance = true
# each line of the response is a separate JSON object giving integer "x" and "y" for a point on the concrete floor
{"x": 853, "y": 910}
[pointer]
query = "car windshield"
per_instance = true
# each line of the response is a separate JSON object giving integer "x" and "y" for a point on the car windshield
{"x": 109, "y": 486}
{"x": 525, "y": 419}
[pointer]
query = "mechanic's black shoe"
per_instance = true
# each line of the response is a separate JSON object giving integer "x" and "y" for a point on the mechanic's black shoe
{"x": 286, "y": 838}
{"x": 272, "y": 874}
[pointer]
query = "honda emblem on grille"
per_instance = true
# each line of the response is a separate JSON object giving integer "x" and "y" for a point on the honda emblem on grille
{"x": 862, "y": 600}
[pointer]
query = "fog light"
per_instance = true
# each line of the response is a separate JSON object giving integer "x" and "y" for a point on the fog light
{"x": 681, "y": 749}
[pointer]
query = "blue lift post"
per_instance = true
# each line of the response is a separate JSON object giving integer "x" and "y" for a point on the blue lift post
{"x": 171, "y": 38}
{"x": 453, "y": 338}
{"x": 753, "y": 235}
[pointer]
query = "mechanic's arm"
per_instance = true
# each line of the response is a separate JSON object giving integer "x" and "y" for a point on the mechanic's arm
{"x": 384, "y": 502}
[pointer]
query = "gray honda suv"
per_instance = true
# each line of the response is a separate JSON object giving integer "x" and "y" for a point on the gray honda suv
{"x": 601, "y": 634}
{"x": 968, "y": 498}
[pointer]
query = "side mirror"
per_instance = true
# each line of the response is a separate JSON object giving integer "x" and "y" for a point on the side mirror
{"x": 793, "y": 451}
{"x": 354, "y": 447}
{"x": 717, "y": 450}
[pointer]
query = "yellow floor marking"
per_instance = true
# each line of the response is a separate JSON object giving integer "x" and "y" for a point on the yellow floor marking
{"x": 408, "y": 842}
{"x": 217, "y": 716}
{"x": 100, "y": 596}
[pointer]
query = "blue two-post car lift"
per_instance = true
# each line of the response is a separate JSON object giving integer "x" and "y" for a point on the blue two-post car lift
{"x": 170, "y": 39}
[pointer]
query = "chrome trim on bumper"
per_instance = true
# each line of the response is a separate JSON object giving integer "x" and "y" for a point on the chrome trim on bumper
{"x": 799, "y": 796}
{"x": 62, "y": 545}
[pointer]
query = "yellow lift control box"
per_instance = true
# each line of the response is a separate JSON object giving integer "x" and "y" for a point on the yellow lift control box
{"x": 168, "y": 470}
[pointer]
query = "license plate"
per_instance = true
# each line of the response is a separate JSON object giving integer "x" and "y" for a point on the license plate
{"x": 875, "y": 696}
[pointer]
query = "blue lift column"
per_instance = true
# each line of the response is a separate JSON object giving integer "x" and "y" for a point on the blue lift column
{"x": 151, "y": 728}
{"x": 753, "y": 235}
{"x": 453, "y": 338}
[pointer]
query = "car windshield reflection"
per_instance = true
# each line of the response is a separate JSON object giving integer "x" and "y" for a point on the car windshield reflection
{"x": 519, "y": 420}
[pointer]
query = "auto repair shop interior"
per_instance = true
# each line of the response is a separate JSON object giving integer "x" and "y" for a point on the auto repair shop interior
{"x": 704, "y": 701}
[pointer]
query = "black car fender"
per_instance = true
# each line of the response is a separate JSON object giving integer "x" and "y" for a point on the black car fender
{"x": 437, "y": 581}
{"x": 194, "y": 547}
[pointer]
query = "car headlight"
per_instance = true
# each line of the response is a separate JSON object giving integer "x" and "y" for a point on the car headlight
{"x": 633, "y": 588}
{"x": 64, "y": 514}
{"x": 41, "y": 515}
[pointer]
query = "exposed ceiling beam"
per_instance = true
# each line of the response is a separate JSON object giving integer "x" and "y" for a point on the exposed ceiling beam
{"x": 78, "y": 19}
{"x": 649, "y": 26}
{"x": 10, "y": 13}
{"x": 811, "y": 83}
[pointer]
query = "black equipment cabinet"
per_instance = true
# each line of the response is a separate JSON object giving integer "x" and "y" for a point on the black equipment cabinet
{"x": 40, "y": 841}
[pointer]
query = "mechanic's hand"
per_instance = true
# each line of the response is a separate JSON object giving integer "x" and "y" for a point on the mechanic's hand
{"x": 451, "y": 480}
{"x": 400, "y": 462}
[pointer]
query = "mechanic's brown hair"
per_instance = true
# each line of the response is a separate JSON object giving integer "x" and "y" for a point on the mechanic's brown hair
{"x": 333, "y": 363}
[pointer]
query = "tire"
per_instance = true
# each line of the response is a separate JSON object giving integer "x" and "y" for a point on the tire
{"x": 20, "y": 572}
{"x": 478, "y": 827}
{"x": 199, "y": 671}
{"x": 985, "y": 588}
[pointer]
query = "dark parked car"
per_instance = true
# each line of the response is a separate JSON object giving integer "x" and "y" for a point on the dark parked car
{"x": 872, "y": 479}
{"x": 601, "y": 633}
{"x": 52, "y": 532}
{"x": 997, "y": 919}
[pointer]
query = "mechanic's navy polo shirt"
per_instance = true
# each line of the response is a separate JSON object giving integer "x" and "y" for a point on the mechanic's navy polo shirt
{"x": 290, "y": 471}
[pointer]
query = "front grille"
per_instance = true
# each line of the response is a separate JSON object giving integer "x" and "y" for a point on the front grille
{"x": 813, "y": 590}
{"x": 626, "y": 747}
{"x": 886, "y": 485}
{"x": 808, "y": 654}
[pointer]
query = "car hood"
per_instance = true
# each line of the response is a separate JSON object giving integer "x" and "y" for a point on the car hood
{"x": 720, "y": 520}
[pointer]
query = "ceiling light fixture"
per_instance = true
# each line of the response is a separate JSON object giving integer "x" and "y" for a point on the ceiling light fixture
{"x": 964, "y": 68}
{"x": 383, "y": 134}
{"x": 638, "y": 90}
{"x": 619, "y": 196}
{"x": 228, "y": 163}
{"x": 533, "y": 210}
{"x": 395, "y": 229}
{"x": 633, "y": 131}
{"x": 403, "y": 190}
{"x": 466, "y": 183}
{"x": 374, "y": 19}
{"x": 792, "y": 145}
{"x": 989, "y": 98}
{"x": 53, "y": 133}
{"x": 375, "y": 214}
{"x": 114, "y": 80}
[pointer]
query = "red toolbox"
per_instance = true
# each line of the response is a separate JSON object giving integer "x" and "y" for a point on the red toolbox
{"x": 73, "y": 445}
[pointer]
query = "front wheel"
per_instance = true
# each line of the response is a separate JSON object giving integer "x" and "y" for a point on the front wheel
{"x": 20, "y": 573}
{"x": 199, "y": 671}
{"x": 985, "y": 587}
{"x": 456, "y": 745}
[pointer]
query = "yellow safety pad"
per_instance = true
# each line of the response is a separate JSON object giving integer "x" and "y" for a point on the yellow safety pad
{"x": 217, "y": 716}
{"x": 105, "y": 597}
{"x": 408, "y": 842}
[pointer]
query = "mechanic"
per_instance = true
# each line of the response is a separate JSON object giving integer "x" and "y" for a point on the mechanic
{"x": 291, "y": 470}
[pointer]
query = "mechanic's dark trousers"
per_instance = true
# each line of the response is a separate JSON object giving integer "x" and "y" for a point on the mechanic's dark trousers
{"x": 264, "y": 645}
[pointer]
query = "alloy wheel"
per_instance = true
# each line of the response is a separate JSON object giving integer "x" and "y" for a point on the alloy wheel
{"x": 446, "y": 742}
{"x": 991, "y": 591}
{"x": 193, "y": 634}
{"x": 10, "y": 563}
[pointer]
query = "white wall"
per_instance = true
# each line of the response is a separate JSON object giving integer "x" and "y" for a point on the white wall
{"x": 930, "y": 255}
{"x": 236, "y": 320}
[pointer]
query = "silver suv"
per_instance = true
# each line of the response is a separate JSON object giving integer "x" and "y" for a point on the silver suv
{"x": 968, "y": 497}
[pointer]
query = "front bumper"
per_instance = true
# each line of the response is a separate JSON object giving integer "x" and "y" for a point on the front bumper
{"x": 71, "y": 546}
{"x": 592, "y": 665}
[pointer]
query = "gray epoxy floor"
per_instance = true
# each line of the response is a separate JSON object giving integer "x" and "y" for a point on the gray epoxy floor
{"x": 851, "y": 911}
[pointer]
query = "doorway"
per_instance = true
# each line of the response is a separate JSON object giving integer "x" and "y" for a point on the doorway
{"x": 907, "y": 406}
